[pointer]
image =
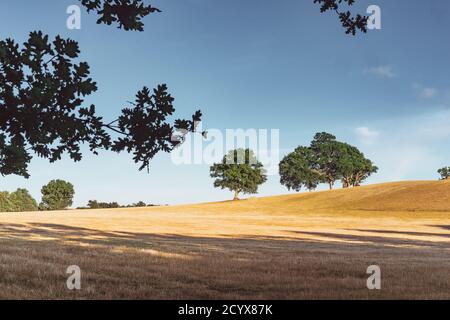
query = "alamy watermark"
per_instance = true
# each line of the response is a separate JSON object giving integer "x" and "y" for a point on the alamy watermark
{"x": 212, "y": 147}
{"x": 374, "y": 281}
{"x": 74, "y": 280}
{"x": 73, "y": 22}
{"x": 374, "y": 21}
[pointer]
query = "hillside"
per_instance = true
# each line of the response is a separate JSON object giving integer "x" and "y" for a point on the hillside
{"x": 425, "y": 196}
{"x": 309, "y": 245}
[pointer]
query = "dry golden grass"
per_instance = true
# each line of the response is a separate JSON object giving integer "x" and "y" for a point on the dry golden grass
{"x": 314, "y": 246}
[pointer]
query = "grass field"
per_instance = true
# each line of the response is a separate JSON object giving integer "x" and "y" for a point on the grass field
{"x": 304, "y": 246}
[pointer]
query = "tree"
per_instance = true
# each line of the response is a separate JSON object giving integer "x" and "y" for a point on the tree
{"x": 239, "y": 172}
{"x": 325, "y": 160}
{"x": 353, "y": 167}
{"x": 17, "y": 201}
{"x": 351, "y": 23}
{"x": 139, "y": 204}
{"x": 445, "y": 173}
{"x": 57, "y": 195}
{"x": 22, "y": 201}
{"x": 296, "y": 170}
{"x": 5, "y": 202}
{"x": 42, "y": 91}
{"x": 325, "y": 153}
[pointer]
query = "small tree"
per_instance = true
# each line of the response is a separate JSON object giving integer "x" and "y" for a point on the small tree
{"x": 57, "y": 195}
{"x": 139, "y": 204}
{"x": 296, "y": 170}
{"x": 445, "y": 173}
{"x": 239, "y": 172}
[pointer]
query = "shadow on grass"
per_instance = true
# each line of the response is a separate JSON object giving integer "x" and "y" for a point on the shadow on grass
{"x": 123, "y": 265}
{"x": 382, "y": 240}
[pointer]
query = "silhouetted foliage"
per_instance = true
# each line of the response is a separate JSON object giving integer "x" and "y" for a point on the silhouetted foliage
{"x": 325, "y": 160}
{"x": 139, "y": 204}
{"x": 17, "y": 201}
{"x": 127, "y": 14}
{"x": 42, "y": 91}
{"x": 239, "y": 172}
{"x": 144, "y": 127}
{"x": 350, "y": 22}
{"x": 444, "y": 173}
{"x": 94, "y": 204}
{"x": 57, "y": 195}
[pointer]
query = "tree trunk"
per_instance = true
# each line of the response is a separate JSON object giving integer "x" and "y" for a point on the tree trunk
{"x": 236, "y": 195}
{"x": 331, "y": 183}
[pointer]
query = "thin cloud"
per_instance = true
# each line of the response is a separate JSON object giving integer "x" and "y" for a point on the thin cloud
{"x": 381, "y": 71}
{"x": 366, "y": 135}
{"x": 425, "y": 92}
{"x": 410, "y": 147}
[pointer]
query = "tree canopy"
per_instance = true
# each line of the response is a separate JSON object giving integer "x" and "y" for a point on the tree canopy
{"x": 57, "y": 195}
{"x": 127, "y": 14}
{"x": 239, "y": 172}
{"x": 444, "y": 173}
{"x": 17, "y": 201}
{"x": 295, "y": 170}
{"x": 325, "y": 160}
{"x": 42, "y": 92}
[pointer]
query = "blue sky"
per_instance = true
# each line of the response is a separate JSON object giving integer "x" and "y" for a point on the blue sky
{"x": 263, "y": 65}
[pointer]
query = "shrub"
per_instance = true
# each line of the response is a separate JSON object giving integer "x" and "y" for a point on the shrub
{"x": 17, "y": 201}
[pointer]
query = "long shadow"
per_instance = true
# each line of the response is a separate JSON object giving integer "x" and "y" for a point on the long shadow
{"x": 180, "y": 266}
{"x": 173, "y": 243}
{"x": 386, "y": 241}
{"x": 409, "y": 233}
{"x": 441, "y": 227}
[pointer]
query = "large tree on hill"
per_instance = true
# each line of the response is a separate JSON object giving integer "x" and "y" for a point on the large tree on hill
{"x": 239, "y": 172}
{"x": 444, "y": 173}
{"x": 325, "y": 160}
{"x": 353, "y": 167}
{"x": 325, "y": 152}
{"x": 296, "y": 170}
{"x": 57, "y": 195}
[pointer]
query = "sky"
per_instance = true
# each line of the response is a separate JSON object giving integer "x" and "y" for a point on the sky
{"x": 256, "y": 64}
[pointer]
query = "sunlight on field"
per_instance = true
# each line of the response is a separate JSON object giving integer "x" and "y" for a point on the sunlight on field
{"x": 311, "y": 245}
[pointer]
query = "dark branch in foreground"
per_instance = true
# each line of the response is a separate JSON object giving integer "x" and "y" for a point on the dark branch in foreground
{"x": 351, "y": 23}
{"x": 42, "y": 91}
{"x": 128, "y": 14}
